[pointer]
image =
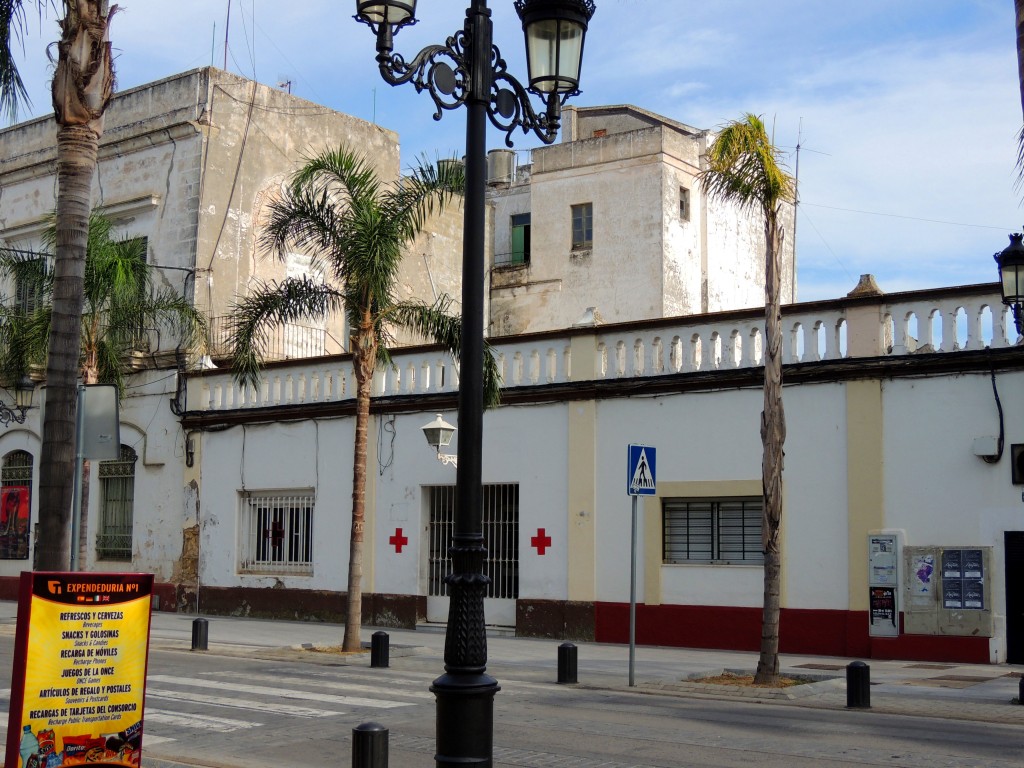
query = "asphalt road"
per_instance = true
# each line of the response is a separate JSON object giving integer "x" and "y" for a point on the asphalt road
{"x": 299, "y": 709}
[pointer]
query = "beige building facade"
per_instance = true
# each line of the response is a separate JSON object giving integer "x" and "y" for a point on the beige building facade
{"x": 613, "y": 219}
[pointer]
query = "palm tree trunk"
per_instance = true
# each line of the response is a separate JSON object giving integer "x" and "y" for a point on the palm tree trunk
{"x": 1018, "y": 6}
{"x": 76, "y": 164}
{"x": 363, "y": 362}
{"x": 773, "y": 436}
{"x": 81, "y": 88}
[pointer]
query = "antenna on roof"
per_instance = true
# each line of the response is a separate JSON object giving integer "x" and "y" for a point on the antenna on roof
{"x": 284, "y": 83}
{"x": 227, "y": 29}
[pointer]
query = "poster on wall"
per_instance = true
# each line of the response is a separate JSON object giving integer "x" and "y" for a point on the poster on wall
{"x": 882, "y": 557}
{"x": 963, "y": 579}
{"x": 79, "y": 677}
{"x": 883, "y": 611}
{"x": 922, "y": 580}
{"x": 974, "y": 594}
{"x": 952, "y": 594}
{"x": 14, "y": 516}
{"x": 973, "y": 565}
{"x": 951, "y": 564}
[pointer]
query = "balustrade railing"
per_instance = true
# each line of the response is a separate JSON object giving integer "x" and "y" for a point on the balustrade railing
{"x": 942, "y": 321}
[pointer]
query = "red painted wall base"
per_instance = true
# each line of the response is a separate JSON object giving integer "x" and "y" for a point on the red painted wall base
{"x": 811, "y": 632}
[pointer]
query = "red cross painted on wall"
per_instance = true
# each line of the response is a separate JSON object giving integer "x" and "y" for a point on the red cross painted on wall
{"x": 541, "y": 541}
{"x": 398, "y": 540}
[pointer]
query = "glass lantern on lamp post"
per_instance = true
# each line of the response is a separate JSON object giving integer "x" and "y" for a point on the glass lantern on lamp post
{"x": 468, "y": 70}
{"x": 1011, "y": 277}
{"x": 24, "y": 389}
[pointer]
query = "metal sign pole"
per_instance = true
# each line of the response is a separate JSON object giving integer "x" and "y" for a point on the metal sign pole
{"x": 632, "y": 597}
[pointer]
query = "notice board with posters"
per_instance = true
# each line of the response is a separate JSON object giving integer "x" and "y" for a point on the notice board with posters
{"x": 883, "y": 580}
{"x": 948, "y": 591}
{"x": 80, "y": 656}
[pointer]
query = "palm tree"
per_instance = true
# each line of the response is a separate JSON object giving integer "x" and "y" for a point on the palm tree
{"x": 744, "y": 169}
{"x": 83, "y": 83}
{"x": 354, "y": 227}
{"x": 121, "y": 307}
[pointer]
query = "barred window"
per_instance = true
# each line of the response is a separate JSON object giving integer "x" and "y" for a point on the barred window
{"x": 726, "y": 531}
{"x": 276, "y": 532}
{"x": 500, "y": 502}
{"x": 117, "y": 507}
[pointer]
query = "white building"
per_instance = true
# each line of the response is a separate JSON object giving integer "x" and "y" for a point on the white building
{"x": 612, "y": 219}
{"x": 881, "y": 442}
{"x": 898, "y": 450}
{"x": 189, "y": 163}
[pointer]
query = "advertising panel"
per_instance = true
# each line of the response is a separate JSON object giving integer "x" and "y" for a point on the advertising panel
{"x": 79, "y": 678}
{"x": 14, "y": 515}
{"x": 963, "y": 579}
{"x": 883, "y": 578}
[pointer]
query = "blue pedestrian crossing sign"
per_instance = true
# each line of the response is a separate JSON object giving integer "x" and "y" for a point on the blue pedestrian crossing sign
{"x": 640, "y": 468}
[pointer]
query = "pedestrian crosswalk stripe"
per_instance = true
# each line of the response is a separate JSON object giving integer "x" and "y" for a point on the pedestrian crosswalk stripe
{"x": 202, "y": 722}
{"x": 224, "y": 701}
{"x": 151, "y": 740}
{"x": 283, "y": 693}
{"x": 342, "y": 684}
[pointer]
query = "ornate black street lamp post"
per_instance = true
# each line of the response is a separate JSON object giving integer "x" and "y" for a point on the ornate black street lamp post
{"x": 1011, "y": 277}
{"x": 468, "y": 70}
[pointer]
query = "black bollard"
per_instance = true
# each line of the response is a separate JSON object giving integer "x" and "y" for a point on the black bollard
{"x": 567, "y": 663}
{"x": 200, "y": 634}
{"x": 858, "y": 685}
{"x": 379, "y": 652}
{"x": 370, "y": 746}
{"x": 1020, "y": 691}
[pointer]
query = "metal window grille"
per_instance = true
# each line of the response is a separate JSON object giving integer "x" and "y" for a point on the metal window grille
{"x": 501, "y": 538}
{"x": 17, "y": 469}
{"x": 583, "y": 225}
{"x": 712, "y": 531}
{"x": 276, "y": 533}
{"x": 117, "y": 507}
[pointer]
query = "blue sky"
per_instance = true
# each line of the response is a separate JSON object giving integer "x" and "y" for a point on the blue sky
{"x": 907, "y": 111}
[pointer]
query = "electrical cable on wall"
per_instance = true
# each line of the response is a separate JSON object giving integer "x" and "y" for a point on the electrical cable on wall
{"x": 386, "y": 425}
{"x": 999, "y": 407}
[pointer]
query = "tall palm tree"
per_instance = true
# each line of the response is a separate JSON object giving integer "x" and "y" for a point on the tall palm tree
{"x": 121, "y": 307}
{"x": 744, "y": 169}
{"x": 83, "y": 83}
{"x": 354, "y": 226}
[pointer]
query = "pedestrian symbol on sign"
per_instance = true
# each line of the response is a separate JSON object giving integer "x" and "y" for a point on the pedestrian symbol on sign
{"x": 640, "y": 468}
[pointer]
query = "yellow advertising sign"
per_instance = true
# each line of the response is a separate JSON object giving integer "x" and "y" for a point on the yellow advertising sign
{"x": 79, "y": 678}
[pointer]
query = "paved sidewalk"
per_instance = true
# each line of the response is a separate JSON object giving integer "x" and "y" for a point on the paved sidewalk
{"x": 957, "y": 691}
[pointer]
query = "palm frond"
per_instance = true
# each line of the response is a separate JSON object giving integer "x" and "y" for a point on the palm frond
{"x": 745, "y": 168}
{"x": 271, "y": 305}
{"x": 26, "y": 270}
{"x": 12, "y": 88}
{"x": 435, "y": 323}
{"x": 427, "y": 188}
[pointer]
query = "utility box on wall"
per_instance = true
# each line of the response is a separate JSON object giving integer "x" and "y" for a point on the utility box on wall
{"x": 948, "y": 591}
{"x": 883, "y": 585}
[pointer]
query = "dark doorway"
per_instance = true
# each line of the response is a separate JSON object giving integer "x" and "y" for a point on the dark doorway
{"x": 1014, "y": 551}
